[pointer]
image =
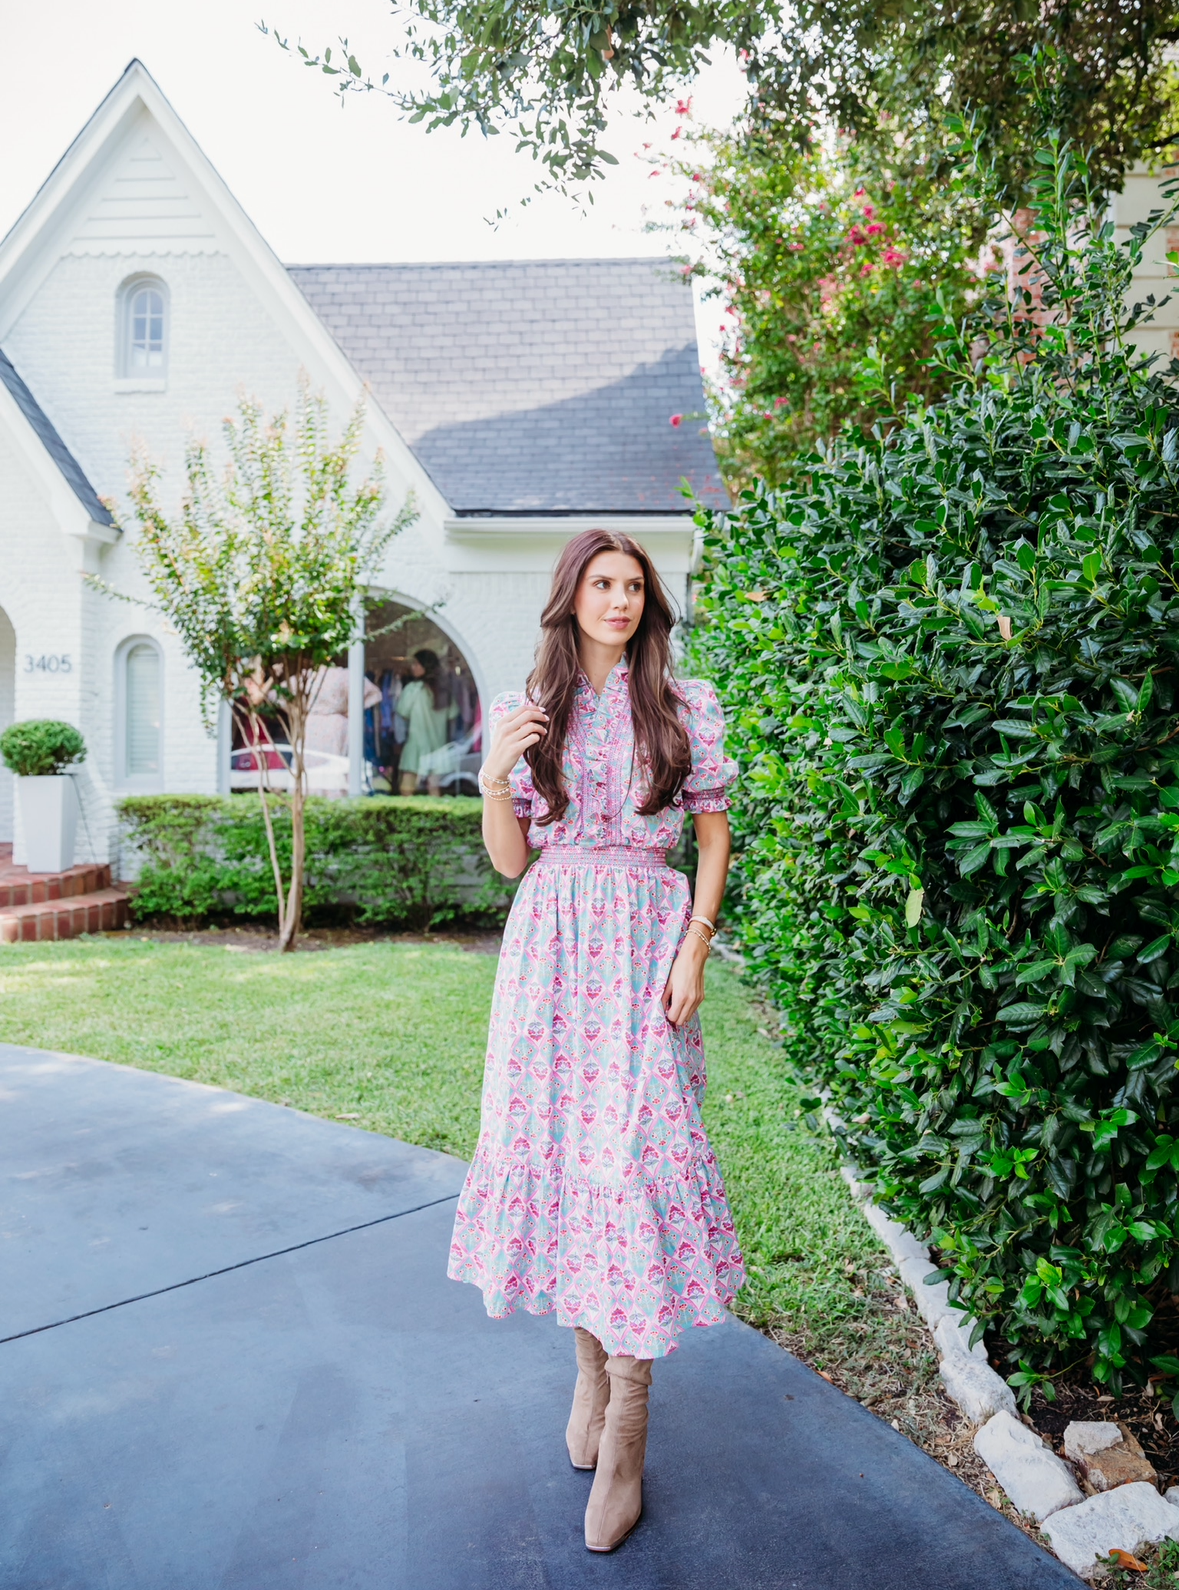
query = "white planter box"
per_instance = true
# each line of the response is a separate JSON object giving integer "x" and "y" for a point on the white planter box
{"x": 49, "y": 813}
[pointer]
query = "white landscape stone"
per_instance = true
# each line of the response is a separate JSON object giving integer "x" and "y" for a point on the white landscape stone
{"x": 1084, "y": 1437}
{"x": 975, "y": 1386}
{"x": 1034, "y": 1478}
{"x": 952, "y": 1334}
{"x": 1118, "y": 1520}
{"x": 1171, "y": 1494}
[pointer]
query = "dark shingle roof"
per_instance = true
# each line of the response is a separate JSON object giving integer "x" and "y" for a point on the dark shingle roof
{"x": 532, "y": 386}
{"x": 53, "y": 444}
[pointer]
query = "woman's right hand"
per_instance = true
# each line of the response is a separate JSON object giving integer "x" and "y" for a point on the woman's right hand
{"x": 513, "y": 735}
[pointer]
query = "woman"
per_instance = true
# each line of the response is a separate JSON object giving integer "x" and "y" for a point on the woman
{"x": 426, "y": 706}
{"x": 593, "y": 1191}
{"x": 326, "y": 729}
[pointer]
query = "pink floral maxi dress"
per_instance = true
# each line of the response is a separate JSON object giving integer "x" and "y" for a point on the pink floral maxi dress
{"x": 593, "y": 1191}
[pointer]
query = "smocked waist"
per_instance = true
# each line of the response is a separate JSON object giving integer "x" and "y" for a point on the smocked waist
{"x": 601, "y": 856}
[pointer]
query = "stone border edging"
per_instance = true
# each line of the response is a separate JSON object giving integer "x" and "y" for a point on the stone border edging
{"x": 965, "y": 1373}
{"x": 1082, "y": 1529}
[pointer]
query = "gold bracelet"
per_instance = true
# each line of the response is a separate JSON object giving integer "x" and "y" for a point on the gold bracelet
{"x": 498, "y": 795}
{"x": 707, "y": 942}
{"x": 711, "y": 926}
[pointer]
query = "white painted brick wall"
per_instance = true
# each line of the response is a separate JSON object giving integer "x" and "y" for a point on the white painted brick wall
{"x": 223, "y": 342}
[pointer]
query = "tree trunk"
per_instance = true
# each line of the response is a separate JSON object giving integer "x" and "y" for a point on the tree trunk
{"x": 262, "y": 746}
{"x": 291, "y": 921}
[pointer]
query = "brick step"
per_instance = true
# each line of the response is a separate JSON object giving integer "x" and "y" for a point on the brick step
{"x": 98, "y": 911}
{"x": 20, "y": 887}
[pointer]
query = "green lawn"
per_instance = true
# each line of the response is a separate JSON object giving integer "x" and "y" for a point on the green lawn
{"x": 390, "y": 1035}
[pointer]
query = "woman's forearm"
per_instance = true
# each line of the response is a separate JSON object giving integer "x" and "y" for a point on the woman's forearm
{"x": 712, "y": 865}
{"x": 504, "y": 836}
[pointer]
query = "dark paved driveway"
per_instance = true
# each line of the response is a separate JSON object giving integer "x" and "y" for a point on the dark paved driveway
{"x": 329, "y": 1411}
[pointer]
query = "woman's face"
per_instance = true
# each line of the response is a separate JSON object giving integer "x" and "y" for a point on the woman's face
{"x": 417, "y": 670}
{"x": 609, "y": 600}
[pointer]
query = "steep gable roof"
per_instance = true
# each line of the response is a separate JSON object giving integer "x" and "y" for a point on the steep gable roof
{"x": 67, "y": 464}
{"x": 200, "y": 215}
{"x": 532, "y": 386}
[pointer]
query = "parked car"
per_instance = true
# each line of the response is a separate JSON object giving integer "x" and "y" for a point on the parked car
{"x": 325, "y": 771}
{"x": 455, "y": 765}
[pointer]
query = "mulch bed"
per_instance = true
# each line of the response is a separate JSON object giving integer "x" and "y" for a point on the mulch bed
{"x": 1147, "y": 1416}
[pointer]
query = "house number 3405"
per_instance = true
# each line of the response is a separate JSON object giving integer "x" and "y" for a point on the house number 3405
{"x": 48, "y": 663}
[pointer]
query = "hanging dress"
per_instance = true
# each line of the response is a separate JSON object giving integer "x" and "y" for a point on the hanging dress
{"x": 594, "y": 1192}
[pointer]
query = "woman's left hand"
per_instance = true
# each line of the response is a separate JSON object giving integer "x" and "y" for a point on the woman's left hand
{"x": 684, "y": 993}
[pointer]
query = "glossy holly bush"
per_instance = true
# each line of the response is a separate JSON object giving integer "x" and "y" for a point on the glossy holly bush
{"x": 949, "y": 657}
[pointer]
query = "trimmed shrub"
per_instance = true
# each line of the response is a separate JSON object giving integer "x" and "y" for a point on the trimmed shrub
{"x": 950, "y": 654}
{"x": 402, "y": 862}
{"x": 41, "y": 747}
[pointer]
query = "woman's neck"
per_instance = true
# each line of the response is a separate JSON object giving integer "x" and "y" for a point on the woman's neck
{"x": 598, "y": 661}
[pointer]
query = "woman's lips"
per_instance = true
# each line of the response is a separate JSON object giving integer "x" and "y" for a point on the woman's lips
{"x": 618, "y": 623}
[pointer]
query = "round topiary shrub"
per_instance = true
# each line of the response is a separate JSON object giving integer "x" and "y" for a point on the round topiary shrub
{"x": 40, "y": 747}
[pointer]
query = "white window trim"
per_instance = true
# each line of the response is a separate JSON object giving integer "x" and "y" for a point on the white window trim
{"x": 135, "y": 783}
{"x": 127, "y": 380}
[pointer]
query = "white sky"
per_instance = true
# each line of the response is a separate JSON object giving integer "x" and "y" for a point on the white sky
{"x": 322, "y": 182}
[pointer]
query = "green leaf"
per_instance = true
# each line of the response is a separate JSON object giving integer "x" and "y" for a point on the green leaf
{"x": 1155, "y": 949}
{"x": 913, "y": 907}
{"x": 1023, "y": 1013}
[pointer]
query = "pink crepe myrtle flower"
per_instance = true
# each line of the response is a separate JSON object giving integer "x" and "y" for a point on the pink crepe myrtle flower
{"x": 875, "y": 229}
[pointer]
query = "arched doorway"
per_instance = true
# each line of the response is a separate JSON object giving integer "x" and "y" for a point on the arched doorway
{"x": 395, "y": 633}
{"x": 7, "y": 711}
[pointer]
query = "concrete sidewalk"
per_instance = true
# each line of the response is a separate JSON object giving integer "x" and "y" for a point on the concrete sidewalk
{"x": 232, "y": 1359}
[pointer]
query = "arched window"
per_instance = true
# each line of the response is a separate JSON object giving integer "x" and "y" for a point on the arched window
{"x": 143, "y": 332}
{"x": 139, "y": 729}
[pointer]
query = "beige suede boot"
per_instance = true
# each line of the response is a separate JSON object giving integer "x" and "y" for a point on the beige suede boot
{"x": 616, "y": 1500}
{"x": 590, "y": 1396}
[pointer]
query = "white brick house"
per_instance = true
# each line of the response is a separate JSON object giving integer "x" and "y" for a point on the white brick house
{"x": 519, "y": 403}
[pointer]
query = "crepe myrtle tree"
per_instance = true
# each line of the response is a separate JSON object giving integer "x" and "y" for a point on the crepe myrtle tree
{"x": 548, "y": 72}
{"x": 263, "y": 575}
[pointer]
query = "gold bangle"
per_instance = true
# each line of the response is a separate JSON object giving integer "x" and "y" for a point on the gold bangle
{"x": 498, "y": 795}
{"x": 711, "y": 926}
{"x": 707, "y": 942}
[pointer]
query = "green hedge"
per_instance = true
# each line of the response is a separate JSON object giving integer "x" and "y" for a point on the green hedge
{"x": 412, "y": 861}
{"x": 950, "y": 656}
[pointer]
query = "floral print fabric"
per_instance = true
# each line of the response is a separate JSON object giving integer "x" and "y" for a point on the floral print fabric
{"x": 594, "y": 1192}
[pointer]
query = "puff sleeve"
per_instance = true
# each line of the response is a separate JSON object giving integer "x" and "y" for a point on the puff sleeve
{"x": 706, "y": 789}
{"x": 521, "y": 775}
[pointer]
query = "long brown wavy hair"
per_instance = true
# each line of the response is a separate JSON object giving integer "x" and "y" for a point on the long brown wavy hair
{"x": 662, "y": 747}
